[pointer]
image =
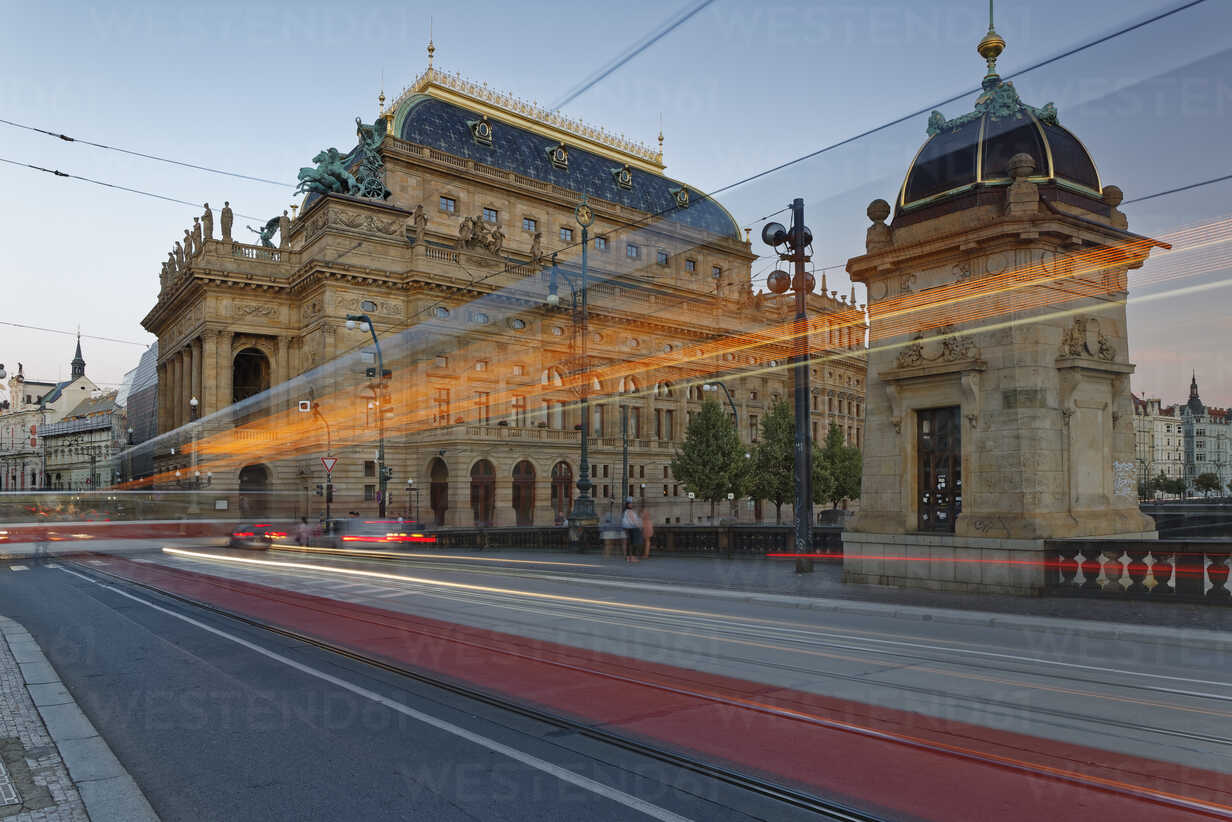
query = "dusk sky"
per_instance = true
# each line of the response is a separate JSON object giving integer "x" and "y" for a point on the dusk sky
{"x": 258, "y": 89}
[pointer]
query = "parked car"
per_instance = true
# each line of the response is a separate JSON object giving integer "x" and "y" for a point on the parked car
{"x": 376, "y": 533}
{"x": 257, "y": 535}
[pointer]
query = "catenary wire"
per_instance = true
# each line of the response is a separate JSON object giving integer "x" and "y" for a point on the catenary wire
{"x": 183, "y": 163}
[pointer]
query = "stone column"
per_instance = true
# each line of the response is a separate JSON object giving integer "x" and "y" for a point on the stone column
{"x": 177, "y": 389}
{"x": 162, "y": 398}
{"x": 209, "y": 372}
{"x": 225, "y": 388}
{"x": 194, "y": 351}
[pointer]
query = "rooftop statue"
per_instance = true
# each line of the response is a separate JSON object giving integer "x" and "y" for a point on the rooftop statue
{"x": 266, "y": 232}
{"x": 329, "y": 177}
{"x": 370, "y": 176}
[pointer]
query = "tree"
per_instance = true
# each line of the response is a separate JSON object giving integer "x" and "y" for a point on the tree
{"x": 711, "y": 461}
{"x": 845, "y": 466}
{"x": 1207, "y": 482}
{"x": 1176, "y": 487}
{"x": 774, "y": 459}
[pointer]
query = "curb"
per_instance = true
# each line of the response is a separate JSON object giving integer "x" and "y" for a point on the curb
{"x": 1195, "y": 637}
{"x": 106, "y": 788}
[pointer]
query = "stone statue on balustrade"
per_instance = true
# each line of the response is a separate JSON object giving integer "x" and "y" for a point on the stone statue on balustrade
{"x": 370, "y": 173}
{"x": 536, "y": 248}
{"x": 228, "y": 217}
{"x": 466, "y": 232}
{"x": 196, "y": 234}
{"x": 266, "y": 232}
{"x": 172, "y": 269}
{"x": 189, "y": 251}
{"x": 179, "y": 258}
{"x": 419, "y": 222}
{"x": 284, "y": 230}
{"x": 496, "y": 239}
{"x": 164, "y": 277}
{"x": 207, "y": 222}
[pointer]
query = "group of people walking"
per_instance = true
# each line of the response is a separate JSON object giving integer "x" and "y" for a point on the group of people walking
{"x": 638, "y": 530}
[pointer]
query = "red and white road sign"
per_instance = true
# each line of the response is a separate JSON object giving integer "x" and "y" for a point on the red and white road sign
{"x": 329, "y": 463}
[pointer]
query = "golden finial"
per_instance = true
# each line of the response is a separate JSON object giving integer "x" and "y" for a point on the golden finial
{"x": 294, "y": 208}
{"x": 746, "y": 234}
{"x": 431, "y": 45}
{"x": 991, "y": 46}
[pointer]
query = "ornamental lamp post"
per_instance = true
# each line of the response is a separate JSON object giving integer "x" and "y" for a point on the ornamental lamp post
{"x": 583, "y": 512}
{"x": 798, "y": 239}
{"x": 719, "y": 385}
{"x": 364, "y": 323}
{"x": 692, "y": 497}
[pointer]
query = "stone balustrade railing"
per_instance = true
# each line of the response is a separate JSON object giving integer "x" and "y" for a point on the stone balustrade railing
{"x": 256, "y": 252}
{"x": 1161, "y": 570}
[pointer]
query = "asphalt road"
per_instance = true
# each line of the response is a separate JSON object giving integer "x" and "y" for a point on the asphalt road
{"x": 219, "y": 720}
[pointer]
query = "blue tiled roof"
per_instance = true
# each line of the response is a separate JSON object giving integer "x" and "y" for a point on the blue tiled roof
{"x": 435, "y": 123}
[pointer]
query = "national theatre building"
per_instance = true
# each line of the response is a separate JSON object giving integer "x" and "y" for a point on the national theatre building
{"x": 460, "y": 225}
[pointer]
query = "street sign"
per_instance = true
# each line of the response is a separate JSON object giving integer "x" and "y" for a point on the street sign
{"x": 329, "y": 463}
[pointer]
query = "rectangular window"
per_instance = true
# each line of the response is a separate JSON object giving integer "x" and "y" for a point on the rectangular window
{"x": 490, "y": 215}
{"x": 752, "y": 428}
{"x": 440, "y": 401}
{"x": 449, "y": 205}
{"x": 566, "y": 234}
{"x": 632, "y": 251}
{"x": 481, "y": 365}
{"x": 519, "y": 371}
{"x": 369, "y": 493}
{"x": 669, "y": 424}
{"x": 483, "y": 409}
{"x": 662, "y": 257}
{"x": 716, "y": 272}
{"x": 519, "y": 411}
{"x": 690, "y": 266}
{"x": 605, "y": 475}
{"x": 440, "y": 361}
{"x": 529, "y": 224}
{"x": 369, "y": 468}
{"x": 596, "y": 423}
{"x": 600, "y": 243}
{"x": 665, "y": 472}
{"x": 635, "y": 423}
{"x": 607, "y": 490}
{"x": 659, "y": 426}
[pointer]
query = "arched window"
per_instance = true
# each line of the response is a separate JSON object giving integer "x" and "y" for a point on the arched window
{"x": 524, "y": 493}
{"x": 562, "y": 491}
{"x": 663, "y": 390}
{"x": 254, "y": 488}
{"x": 483, "y": 497}
{"x": 628, "y": 385}
{"x": 438, "y": 491}
{"x": 250, "y": 374}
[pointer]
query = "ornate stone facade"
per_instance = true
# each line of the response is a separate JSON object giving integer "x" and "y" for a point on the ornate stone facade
{"x": 999, "y": 412}
{"x": 453, "y": 269}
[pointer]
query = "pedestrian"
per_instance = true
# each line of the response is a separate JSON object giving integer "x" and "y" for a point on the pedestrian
{"x": 647, "y": 530}
{"x": 632, "y": 524}
{"x": 303, "y": 533}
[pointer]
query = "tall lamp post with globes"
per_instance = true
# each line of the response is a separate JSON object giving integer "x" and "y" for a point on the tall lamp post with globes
{"x": 364, "y": 323}
{"x": 583, "y": 512}
{"x": 797, "y": 240}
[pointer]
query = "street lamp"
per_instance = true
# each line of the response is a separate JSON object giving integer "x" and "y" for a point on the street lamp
{"x": 797, "y": 240}
{"x": 717, "y": 386}
{"x": 584, "y": 505}
{"x": 731, "y": 500}
{"x": 692, "y": 496}
{"x": 411, "y": 489}
{"x": 364, "y": 323}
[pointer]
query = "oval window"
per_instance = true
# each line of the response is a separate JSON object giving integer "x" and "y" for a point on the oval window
{"x": 517, "y": 323}
{"x": 440, "y": 311}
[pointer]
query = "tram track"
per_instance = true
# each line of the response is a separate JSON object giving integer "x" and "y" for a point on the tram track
{"x": 754, "y": 784}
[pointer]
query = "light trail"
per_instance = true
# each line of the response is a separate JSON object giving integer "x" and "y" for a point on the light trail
{"x": 359, "y": 552}
{"x": 1035, "y": 285}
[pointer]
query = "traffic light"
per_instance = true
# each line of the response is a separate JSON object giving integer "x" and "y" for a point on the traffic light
{"x": 387, "y": 472}
{"x": 320, "y": 490}
{"x": 329, "y": 492}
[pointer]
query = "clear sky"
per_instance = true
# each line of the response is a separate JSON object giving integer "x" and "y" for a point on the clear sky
{"x": 259, "y": 88}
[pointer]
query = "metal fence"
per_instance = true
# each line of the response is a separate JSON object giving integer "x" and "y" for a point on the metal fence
{"x": 677, "y": 540}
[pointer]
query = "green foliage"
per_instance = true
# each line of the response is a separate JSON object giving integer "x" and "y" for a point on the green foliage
{"x": 845, "y": 466}
{"x": 1208, "y": 482}
{"x": 774, "y": 459}
{"x": 711, "y": 461}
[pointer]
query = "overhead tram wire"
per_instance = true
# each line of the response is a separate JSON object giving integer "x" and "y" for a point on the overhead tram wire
{"x": 672, "y": 23}
{"x": 66, "y": 138}
{"x": 58, "y": 173}
{"x": 73, "y": 334}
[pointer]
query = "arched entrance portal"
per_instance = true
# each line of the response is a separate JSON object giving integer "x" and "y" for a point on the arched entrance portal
{"x": 254, "y": 488}
{"x": 524, "y": 493}
{"x": 483, "y": 488}
{"x": 250, "y": 374}
{"x": 562, "y": 491}
{"x": 438, "y": 490}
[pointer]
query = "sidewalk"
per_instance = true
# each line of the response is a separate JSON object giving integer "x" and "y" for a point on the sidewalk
{"x": 54, "y": 767}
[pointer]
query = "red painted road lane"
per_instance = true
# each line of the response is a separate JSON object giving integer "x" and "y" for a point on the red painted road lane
{"x": 833, "y": 747}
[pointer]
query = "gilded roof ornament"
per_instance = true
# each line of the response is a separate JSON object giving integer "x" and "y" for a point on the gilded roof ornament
{"x": 991, "y": 46}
